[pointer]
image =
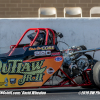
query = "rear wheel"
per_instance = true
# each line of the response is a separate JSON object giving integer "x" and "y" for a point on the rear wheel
{"x": 96, "y": 74}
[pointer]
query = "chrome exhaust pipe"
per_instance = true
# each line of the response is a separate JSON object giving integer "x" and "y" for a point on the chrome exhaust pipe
{"x": 96, "y": 49}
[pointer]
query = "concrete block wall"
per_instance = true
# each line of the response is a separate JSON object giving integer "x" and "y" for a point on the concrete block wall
{"x": 29, "y": 8}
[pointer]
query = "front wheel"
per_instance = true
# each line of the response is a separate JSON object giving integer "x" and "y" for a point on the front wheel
{"x": 96, "y": 74}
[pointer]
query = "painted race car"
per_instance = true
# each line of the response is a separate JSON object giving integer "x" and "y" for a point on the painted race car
{"x": 35, "y": 64}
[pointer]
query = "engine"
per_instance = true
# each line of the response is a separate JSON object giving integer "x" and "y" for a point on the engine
{"x": 74, "y": 65}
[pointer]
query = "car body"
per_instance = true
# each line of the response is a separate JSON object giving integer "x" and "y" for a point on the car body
{"x": 28, "y": 66}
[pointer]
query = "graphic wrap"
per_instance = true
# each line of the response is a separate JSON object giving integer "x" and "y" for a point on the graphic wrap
{"x": 42, "y": 53}
{"x": 27, "y": 73}
{"x": 5, "y": 82}
{"x": 13, "y": 80}
{"x": 42, "y": 48}
{"x": 28, "y": 70}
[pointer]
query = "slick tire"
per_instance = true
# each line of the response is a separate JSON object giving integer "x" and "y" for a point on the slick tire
{"x": 96, "y": 74}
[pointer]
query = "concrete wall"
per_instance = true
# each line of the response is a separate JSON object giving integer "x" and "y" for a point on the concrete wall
{"x": 76, "y": 31}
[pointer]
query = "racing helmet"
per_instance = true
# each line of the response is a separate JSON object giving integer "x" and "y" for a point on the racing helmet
{"x": 40, "y": 39}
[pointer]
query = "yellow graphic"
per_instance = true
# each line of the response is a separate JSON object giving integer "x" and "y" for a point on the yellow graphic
{"x": 28, "y": 73}
{"x": 28, "y": 70}
{"x": 42, "y": 48}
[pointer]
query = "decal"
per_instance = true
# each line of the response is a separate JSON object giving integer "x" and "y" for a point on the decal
{"x": 50, "y": 70}
{"x": 42, "y": 53}
{"x": 5, "y": 82}
{"x": 31, "y": 71}
{"x": 42, "y": 48}
{"x": 12, "y": 80}
{"x": 58, "y": 59}
{"x": 55, "y": 54}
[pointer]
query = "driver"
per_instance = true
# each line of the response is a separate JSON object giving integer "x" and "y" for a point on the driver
{"x": 40, "y": 39}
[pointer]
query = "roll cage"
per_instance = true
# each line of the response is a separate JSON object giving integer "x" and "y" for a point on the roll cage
{"x": 31, "y": 43}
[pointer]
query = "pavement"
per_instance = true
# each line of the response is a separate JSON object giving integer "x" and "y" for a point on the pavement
{"x": 65, "y": 93}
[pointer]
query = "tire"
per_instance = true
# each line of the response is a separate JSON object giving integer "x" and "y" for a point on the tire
{"x": 96, "y": 74}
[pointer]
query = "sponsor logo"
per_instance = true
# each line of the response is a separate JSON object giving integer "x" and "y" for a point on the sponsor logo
{"x": 50, "y": 70}
{"x": 42, "y": 48}
{"x": 12, "y": 80}
{"x": 6, "y": 82}
{"x": 42, "y": 53}
{"x": 58, "y": 59}
{"x": 31, "y": 71}
{"x": 55, "y": 54}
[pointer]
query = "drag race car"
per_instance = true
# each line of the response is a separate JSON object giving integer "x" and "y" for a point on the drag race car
{"x": 35, "y": 64}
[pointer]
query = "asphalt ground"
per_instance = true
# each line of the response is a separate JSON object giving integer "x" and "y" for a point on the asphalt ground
{"x": 65, "y": 93}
